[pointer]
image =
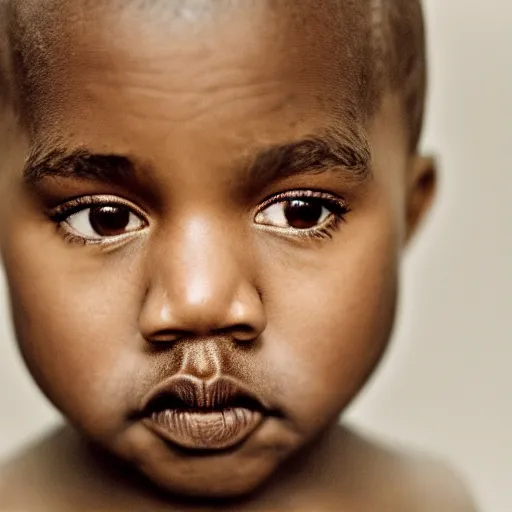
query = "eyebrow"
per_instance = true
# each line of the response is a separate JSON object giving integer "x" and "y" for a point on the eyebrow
{"x": 332, "y": 150}
{"x": 79, "y": 164}
{"x": 346, "y": 153}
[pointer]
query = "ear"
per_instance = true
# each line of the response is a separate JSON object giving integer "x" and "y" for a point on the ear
{"x": 421, "y": 189}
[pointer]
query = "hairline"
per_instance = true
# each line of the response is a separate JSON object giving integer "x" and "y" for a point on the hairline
{"x": 381, "y": 67}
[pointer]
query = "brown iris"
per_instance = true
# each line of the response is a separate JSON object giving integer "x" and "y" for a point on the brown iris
{"x": 303, "y": 214}
{"x": 109, "y": 220}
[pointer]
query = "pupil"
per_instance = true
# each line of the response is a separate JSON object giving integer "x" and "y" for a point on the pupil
{"x": 302, "y": 214}
{"x": 109, "y": 220}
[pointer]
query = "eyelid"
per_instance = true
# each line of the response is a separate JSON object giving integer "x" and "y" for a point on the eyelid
{"x": 301, "y": 193}
{"x": 60, "y": 215}
{"x": 61, "y": 212}
{"x": 338, "y": 206}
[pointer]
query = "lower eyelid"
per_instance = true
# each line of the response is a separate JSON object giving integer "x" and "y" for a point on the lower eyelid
{"x": 74, "y": 237}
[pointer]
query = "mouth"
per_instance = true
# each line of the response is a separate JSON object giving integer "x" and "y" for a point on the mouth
{"x": 198, "y": 415}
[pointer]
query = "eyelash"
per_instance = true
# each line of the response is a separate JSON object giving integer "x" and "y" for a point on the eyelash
{"x": 337, "y": 207}
{"x": 61, "y": 213}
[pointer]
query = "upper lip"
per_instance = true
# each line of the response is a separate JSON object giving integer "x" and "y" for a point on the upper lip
{"x": 189, "y": 392}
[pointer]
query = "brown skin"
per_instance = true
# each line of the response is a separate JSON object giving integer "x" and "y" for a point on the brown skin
{"x": 345, "y": 472}
{"x": 201, "y": 286}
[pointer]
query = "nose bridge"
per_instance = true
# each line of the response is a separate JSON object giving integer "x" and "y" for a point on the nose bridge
{"x": 204, "y": 269}
{"x": 201, "y": 282}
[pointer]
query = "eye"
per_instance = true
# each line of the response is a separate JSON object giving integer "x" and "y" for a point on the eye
{"x": 91, "y": 220}
{"x": 301, "y": 211}
{"x": 296, "y": 213}
{"x": 104, "y": 221}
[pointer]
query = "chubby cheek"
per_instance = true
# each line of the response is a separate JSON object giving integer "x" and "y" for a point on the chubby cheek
{"x": 75, "y": 320}
{"x": 329, "y": 313}
{"x": 331, "y": 319}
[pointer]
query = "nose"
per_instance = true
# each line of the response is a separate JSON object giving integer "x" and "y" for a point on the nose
{"x": 201, "y": 283}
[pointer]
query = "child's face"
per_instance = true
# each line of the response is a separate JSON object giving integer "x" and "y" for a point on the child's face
{"x": 210, "y": 227}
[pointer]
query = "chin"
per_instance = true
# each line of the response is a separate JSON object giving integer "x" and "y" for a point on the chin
{"x": 213, "y": 482}
{"x": 228, "y": 473}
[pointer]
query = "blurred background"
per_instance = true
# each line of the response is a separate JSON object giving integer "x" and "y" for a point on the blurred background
{"x": 446, "y": 383}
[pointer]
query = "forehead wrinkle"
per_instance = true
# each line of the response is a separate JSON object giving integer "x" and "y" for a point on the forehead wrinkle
{"x": 36, "y": 31}
{"x": 40, "y": 49}
{"x": 383, "y": 37}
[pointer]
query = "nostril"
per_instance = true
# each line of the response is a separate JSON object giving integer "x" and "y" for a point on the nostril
{"x": 165, "y": 337}
{"x": 243, "y": 333}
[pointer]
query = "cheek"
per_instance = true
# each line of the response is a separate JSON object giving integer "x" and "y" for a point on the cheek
{"x": 75, "y": 321}
{"x": 330, "y": 310}
{"x": 333, "y": 318}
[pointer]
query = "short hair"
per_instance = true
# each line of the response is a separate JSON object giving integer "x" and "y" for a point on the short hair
{"x": 396, "y": 58}
{"x": 399, "y": 54}
{"x": 5, "y": 85}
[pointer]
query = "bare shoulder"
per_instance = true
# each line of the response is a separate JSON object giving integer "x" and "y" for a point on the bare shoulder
{"x": 31, "y": 474}
{"x": 13, "y": 487}
{"x": 398, "y": 479}
{"x": 437, "y": 484}
{"x": 20, "y": 480}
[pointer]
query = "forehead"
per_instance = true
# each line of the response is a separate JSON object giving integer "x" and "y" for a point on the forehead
{"x": 177, "y": 61}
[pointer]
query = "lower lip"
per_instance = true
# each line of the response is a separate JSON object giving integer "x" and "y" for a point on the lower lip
{"x": 209, "y": 430}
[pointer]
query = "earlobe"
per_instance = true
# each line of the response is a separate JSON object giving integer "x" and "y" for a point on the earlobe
{"x": 421, "y": 190}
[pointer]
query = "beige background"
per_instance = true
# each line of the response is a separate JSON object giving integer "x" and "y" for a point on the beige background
{"x": 446, "y": 384}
